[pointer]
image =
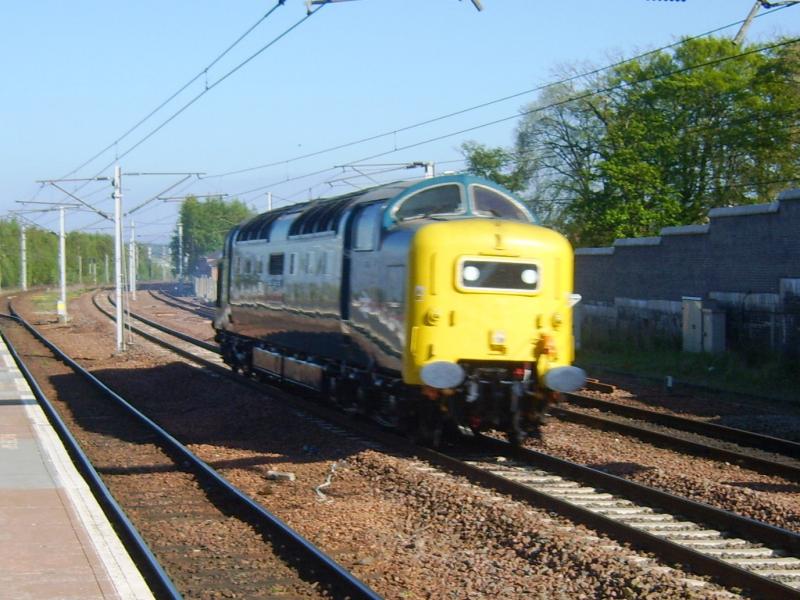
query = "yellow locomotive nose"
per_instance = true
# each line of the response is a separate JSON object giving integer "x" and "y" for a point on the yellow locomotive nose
{"x": 475, "y": 301}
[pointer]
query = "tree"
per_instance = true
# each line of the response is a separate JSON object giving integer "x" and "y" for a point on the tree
{"x": 205, "y": 225}
{"x": 662, "y": 139}
{"x": 42, "y": 250}
{"x": 496, "y": 164}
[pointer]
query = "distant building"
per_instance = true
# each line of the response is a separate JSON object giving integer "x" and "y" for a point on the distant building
{"x": 206, "y": 266}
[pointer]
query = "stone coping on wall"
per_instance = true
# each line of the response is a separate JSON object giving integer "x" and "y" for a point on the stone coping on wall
{"x": 685, "y": 230}
{"x": 714, "y": 213}
{"x": 746, "y": 209}
{"x": 741, "y": 300}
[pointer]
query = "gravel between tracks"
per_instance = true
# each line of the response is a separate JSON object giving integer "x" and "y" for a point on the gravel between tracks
{"x": 407, "y": 533}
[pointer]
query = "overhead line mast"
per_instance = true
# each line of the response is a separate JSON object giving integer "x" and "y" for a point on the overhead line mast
{"x": 754, "y": 11}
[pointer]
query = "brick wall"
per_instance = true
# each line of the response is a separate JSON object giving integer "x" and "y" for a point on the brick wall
{"x": 746, "y": 260}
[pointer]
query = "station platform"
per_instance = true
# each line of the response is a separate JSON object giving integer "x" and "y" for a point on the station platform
{"x": 55, "y": 541}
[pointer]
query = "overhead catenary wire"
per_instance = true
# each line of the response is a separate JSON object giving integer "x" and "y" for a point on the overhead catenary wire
{"x": 486, "y": 104}
{"x": 537, "y": 109}
{"x": 429, "y": 121}
{"x": 184, "y": 87}
{"x": 217, "y": 82}
{"x": 207, "y": 89}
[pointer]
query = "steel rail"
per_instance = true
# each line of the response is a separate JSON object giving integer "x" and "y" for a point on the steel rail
{"x": 157, "y": 579}
{"x": 670, "y": 551}
{"x": 756, "y": 463}
{"x": 334, "y": 572}
{"x": 160, "y": 327}
{"x": 721, "y": 432}
{"x": 171, "y": 300}
{"x": 693, "y": 560}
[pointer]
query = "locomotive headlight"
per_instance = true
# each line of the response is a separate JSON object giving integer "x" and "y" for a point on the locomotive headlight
{"x": 529, "y": 276}
{"x": 471, "y": 273}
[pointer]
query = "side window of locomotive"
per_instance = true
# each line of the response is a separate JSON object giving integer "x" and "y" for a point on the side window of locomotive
{"x": 366, "y": 227}
{"x": 276, "y": 264}
{"x": 292, "y": 263}
{"x": 490, "y": 203}
{"x": 440, "y": 200}
{"x": 324, "y": 263}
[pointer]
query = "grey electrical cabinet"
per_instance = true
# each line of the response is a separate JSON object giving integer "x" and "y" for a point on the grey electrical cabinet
{"x": 703, "y": 326}
{"x": 713, "y": 330}
{"x": 692, "y": 324}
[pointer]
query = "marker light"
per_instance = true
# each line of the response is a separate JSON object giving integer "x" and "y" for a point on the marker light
{"x": 529, "y": 276}
{"x": 471, "y": 273}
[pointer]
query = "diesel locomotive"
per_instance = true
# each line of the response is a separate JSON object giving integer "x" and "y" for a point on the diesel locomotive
{"x": 422, "y": 304}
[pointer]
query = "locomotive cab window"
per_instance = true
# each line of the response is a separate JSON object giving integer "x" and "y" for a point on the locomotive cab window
{"x": 490, "y": 203}
{"x": 439, "y": 200}
{"x": 366, "y": 227}
{"x": 483, "y": 275}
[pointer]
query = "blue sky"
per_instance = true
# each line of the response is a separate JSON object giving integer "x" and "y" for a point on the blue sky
{"x": 77, "y": 75}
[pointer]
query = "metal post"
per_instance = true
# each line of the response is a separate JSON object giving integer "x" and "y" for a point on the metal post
{"x": 118, "y": 254}
{"x": 23, "y": 259}
{"x": 269, "y": 201}
{"x": 150, "y": 263}
{"x": 132, "y": 261}
{"x": 62, "y": 262}
{"x": 80, "y": 269}
{"x": 747, "y": 22}
{"x": 180, "y": 252}
{"x": 105, "y": 279}
{"x": 430, "y": 170}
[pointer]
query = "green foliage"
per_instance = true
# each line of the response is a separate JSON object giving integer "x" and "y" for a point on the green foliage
{"x": 205, "y": 225}
{"x": 496, "y": 164}
{"x": 774, "y": 376}
{"x": 86, "y": 257}
{"x": 82, "y": 250}
{"x": 659, "y": 141}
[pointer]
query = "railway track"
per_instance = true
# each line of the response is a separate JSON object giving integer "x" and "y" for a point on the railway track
{"x": 178, "y": 302}
{"x": 185, "y": 508}
{"x": 736, "y": 436}
{"x": 705, "y": 444}
{"x": 737, "y": 551}
{"x": 774, "y": 456}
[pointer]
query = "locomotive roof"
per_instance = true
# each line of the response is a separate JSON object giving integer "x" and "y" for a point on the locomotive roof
{"x": 323, "y": 214}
